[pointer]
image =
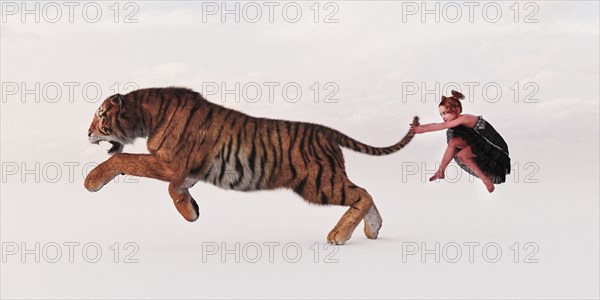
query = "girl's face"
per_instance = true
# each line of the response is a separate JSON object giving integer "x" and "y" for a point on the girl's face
{"x": 447, "y": 114}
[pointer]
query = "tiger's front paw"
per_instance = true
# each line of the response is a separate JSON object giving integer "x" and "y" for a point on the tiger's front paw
{"x": 96, "y": 179}
{"x": 188, "y": 208}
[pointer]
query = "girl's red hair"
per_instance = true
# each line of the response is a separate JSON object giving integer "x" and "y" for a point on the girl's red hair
{"x": 453, "y": 103}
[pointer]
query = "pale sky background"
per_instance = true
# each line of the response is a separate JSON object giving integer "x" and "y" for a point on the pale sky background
{"x": 550, "y": 199}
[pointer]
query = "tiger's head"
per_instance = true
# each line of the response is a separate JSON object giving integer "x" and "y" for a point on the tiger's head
{"x": 114, "y": 124}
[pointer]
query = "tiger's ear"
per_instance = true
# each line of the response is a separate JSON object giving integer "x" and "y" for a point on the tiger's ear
{"x": 117, "y": 100}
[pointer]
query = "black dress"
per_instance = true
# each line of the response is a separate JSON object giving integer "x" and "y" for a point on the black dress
{"x": 489, "y": 147}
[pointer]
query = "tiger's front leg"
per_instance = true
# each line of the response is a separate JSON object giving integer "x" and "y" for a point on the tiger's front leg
{"x": 143, "y": 165}
{"x": 185, "y": 204}
{"x": 146, "y": 165}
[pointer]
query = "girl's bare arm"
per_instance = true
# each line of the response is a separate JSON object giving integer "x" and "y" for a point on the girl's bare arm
{"x": 439, "y": 126}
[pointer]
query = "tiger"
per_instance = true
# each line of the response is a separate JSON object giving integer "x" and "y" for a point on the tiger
{"x": 191, "y": 139}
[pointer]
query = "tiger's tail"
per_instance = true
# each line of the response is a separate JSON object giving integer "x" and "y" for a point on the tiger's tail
{"x": 350, "y": 143}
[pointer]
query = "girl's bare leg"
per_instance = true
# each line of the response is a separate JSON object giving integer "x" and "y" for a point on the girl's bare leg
{"x": 453, "y": 144}
{"x": 466, "y": 156}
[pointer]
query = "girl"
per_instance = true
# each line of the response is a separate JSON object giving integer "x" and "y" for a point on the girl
{"x": 482, "y": 152}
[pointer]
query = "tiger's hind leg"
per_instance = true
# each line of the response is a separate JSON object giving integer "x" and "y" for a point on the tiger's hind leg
{"x": 344, "y": 193}
{"x": 323, "y": 180}
{"x": 373, "y": 222}
{"x": 360, "y": 203}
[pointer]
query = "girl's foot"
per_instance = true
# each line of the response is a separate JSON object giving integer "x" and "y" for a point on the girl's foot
{"x": 489, "y": 185}
{"x": 438, "y": 175}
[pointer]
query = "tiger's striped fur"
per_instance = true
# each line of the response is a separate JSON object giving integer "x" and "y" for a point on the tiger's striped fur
{"x": 191, "y": 139}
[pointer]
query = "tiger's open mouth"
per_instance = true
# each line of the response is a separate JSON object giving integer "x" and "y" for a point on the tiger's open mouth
{"x": 115, "y": 147}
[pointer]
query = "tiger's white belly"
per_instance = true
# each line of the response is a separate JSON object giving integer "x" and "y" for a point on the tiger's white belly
{"x": 233, "y": 174}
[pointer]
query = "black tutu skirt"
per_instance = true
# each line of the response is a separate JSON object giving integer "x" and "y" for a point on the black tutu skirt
{"x": 489, "y": 147}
